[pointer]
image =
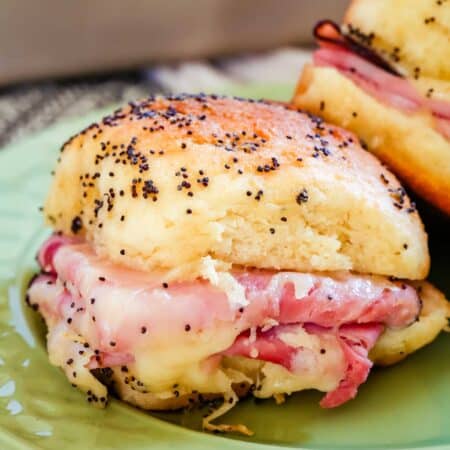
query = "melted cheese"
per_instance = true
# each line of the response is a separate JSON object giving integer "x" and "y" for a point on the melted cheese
{"x": 225, "y": 282}
{"x": 66, "y": 350}
{"x": 303, "y": 283}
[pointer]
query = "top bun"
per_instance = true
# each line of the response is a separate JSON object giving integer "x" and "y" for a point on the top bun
{"x": 413, "y": 35}
{"x": 168, "y": 181}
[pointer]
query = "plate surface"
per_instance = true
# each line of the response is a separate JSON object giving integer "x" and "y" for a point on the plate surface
{"x": 405, "y": 406}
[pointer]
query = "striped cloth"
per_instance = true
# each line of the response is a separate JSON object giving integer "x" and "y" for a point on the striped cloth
{"x": 31, "y": 107}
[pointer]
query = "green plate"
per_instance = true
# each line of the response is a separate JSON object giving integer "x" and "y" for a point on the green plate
{"x": 406, "y": 406}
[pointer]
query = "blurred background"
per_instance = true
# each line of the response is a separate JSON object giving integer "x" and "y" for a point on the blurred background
{"x": 60, "y": 59}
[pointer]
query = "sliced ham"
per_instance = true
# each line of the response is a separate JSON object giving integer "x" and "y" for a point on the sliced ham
{"x": 119, "y": 311}
{"x": 328, "y": 33}
{"x": 265, "y": 346}
{"x": 384, "y": 86}
{"x": 354, "y": 340}
{"x": 48, "y": 249}
{"x": 374, "y": 75}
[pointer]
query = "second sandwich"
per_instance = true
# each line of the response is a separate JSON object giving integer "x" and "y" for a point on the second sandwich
{"x": 385, "y": 75}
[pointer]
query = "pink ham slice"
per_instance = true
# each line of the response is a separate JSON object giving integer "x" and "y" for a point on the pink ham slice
{"x": 267, "y": 346}
{"x": 355, "y": 341}
{"x": 382, "y": 85}
{"x": 385, "y": 87}
{"x": 117, "y": 309}
{"x": 49, "y": 248}
{"x": 339, "y": 51}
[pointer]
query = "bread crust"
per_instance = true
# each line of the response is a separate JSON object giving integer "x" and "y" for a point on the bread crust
{"x": 395, "y": 345}
{"x": 166, "y": 182}
{"x": 408, "y": 143}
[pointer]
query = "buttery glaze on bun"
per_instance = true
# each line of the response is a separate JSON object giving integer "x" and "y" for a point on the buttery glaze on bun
{"x": 244, "y": 183}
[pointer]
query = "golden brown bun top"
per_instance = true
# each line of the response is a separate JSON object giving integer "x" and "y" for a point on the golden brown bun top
{"x": 413, "y": 35}
{"x": 193, "y": 183}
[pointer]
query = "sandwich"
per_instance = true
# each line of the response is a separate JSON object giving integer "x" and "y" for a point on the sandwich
{"x": 207, "y": 247}
{"x": 385, "y": 75}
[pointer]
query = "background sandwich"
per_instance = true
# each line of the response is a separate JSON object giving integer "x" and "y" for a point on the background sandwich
{"x": 385, "y": 75}
{"x": 212, "y": 247}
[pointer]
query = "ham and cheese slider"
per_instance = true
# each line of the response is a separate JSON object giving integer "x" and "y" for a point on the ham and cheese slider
{"x": 208, "y": 247}
{"x": 385, "y": 75}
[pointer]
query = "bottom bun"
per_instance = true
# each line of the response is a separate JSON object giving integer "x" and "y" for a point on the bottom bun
{"x": 395, "y": 345}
